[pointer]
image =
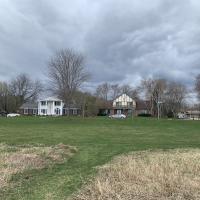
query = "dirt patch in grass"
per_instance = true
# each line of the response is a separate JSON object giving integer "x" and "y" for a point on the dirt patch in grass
{"x": 147, "y": 175}
{"x": 14, "y": 159}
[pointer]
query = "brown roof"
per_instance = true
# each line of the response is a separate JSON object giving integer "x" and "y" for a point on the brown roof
{"x": 143, "y": 105}
{"x": 104, "y": 104}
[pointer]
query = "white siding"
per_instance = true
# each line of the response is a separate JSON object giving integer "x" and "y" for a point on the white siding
{"x": 124, "y": 99}
{"x": 50, "y": 106}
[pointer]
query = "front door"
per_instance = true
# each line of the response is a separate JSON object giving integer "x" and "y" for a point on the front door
{"x": 57, "y": 111}
{"x": 119, "y": 112}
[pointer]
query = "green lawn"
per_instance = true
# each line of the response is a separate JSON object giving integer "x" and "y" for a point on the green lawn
{"x": 98, "y": 140}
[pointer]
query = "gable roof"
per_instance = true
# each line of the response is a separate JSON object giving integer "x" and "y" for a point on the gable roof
{"x": 50, "y": 99}
{"x": 29, "y": 105}
{"x": 124, "y": 93}
{"x": 146, "y": 104}
{"x": 35, "y": 105}
{"x": 72, "y": 106}
{"x": 104, "y": 104}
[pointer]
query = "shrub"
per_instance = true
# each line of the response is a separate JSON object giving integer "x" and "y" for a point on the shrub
{"x": 101, "y": 114}
{"x": 144, "y": 115}
{"x": 170, "y": 114}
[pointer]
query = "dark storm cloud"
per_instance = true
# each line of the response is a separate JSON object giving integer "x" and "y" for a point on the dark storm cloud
{"x": 125, "y": 41}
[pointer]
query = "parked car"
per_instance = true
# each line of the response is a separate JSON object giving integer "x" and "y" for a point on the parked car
{"x": 122, "y": 116}
{"x": 13, "y": 114}
{"x": 180, "y": 116}
{"x": 4, "y": 114}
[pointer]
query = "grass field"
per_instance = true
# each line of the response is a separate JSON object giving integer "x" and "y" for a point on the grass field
{"x": 97, "y": 140}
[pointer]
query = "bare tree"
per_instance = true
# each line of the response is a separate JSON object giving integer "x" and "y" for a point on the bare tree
{"x": 175, "y": 95}
{"x": 102, "y": 91}
{"x": 115, "y": 91}
{"x": 82, "y": 98}
{"x": 67, "y": 73}
{"x": 4, "y": 96}
{"x": 23, "y": 88}
{"x": 154, "y": 89}
{"x": 197, "y": 86}
{"x": 133, "y": 93}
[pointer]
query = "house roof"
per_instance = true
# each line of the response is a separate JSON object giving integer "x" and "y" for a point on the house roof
{"x": 29, "y": 105}
{"x": 50, "y": 99}
{"x": 35, "y": 105}
{"x": 104, "y": 104}
{"x": 124, "y": 93}
{"x": 146, "y": 104}
{"x": 72, "y": 106}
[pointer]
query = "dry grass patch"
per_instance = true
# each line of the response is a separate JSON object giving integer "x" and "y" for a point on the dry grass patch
{"x": 147, "y": 175}
{"x": 16, "y": 159}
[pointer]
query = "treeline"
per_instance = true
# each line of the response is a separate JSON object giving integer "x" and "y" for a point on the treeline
{"x": 67, "y": 73}
{"x": 18, "y": 90}
{"x": 170, "y": 95}
{"x": 165, "y": 95}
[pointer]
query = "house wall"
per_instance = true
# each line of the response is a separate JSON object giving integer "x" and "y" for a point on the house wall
{"x": 30, "y": 111}
{"x": 124, "y": 98}
{"x": 71, "y": 112}
{"x": 189, "y": 114}
{"x": 50, "y": 108}
{"x": 123, "y": 104}
{"x": 140, "y": 111}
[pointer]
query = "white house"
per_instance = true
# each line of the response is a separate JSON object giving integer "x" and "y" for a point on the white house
{"x": 50, "y": 106}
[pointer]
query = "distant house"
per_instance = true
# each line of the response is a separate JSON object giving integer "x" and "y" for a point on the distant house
{"x": 29, "y": 109}
{"x": 124, "y": 104}
{"x": 104, "y": 106}
{"x": 48, "y": 106}
{"x": 144, "y": 107}
{"x": 188, "y": 114}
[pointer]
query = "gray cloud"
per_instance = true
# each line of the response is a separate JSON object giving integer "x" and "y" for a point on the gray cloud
{"x": 125, "y": 41}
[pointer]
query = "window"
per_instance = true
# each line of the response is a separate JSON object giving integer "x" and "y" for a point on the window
{"x": 129, "y": 104}
{"x": 118, "y": 103}
{"x": 107, "y": 111}
{"x": 74, "y": 111}
{"x": 43, "y": 111}
{"x": 129, "y": 111}
{"x": 143, "y": 111}
{"x": 26, "y": 111}
{"x": 34, "y": 111}
{"x": 43, "y": 103}
{"x": 65, "y": 111}
{"x": 119, "y": 112}
{"x": 57, "y": 103}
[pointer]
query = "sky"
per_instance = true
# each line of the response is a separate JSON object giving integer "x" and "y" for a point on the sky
{"x": 124, "y": 41}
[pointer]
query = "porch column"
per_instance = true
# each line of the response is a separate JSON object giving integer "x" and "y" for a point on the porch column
{"x": 53, "y": 112}
{"x": 61, "y": 108}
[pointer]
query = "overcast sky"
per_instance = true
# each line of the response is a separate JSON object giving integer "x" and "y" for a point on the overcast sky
{"x": 124, "y": 40}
